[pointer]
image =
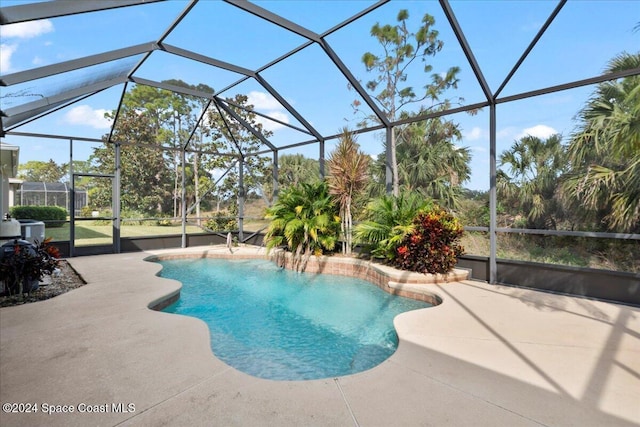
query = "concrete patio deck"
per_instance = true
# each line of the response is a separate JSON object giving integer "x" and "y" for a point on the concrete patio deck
{"x": 487, "y": 356}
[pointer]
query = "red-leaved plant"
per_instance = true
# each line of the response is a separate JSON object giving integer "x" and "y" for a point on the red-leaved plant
{"x": 26, "y": 263}
{"x": 433, "y": 244}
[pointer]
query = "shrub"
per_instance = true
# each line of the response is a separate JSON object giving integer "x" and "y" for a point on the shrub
{"x": 106, "y": 213}
{"x": 387, "y": 220}
{"x": 226, "y": 220}
{"x": 164, "y": 221}
{"x": 221, "y": 221}
{"x": 52, "y": 216}
{"x": 433, "y": 244}
{"x": 85, "y": 211}
{"x": 134, "y": 217}
{"x": 21, "y": 264}
{"x": 305, "y": 221}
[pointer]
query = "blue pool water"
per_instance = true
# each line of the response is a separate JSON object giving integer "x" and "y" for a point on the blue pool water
{"x": 277, "y": 324}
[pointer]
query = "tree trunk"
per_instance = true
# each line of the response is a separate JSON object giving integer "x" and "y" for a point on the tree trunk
{"x": 196, "y": 185}
{"x": 348, "y": 228}
{"x": 394, "y": 164}
{"x": 343, "y": 228}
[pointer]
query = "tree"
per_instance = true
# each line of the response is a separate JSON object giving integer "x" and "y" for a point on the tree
{"x": 167, "y": 121}
{"x": 177, "y": 113}
{"x": 348, "y": 175}
{"x": 145, "y": 185}
{"x": 293, "y": 169}
{"x": 535, "y": 167}
{"x": 305, "y": 220}
{"x": 604, "y": 153}
{"x": 39, "y": 171}
{"x": 400, "y": 48}
{"x": 230, "y": 136}
{"x": 429, "y": 162}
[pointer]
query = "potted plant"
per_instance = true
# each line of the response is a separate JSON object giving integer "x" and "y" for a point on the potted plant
{"x": 23, "y": 265}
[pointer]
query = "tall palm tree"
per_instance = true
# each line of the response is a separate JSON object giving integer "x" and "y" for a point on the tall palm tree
{"x": 348, "y": 175}
{"x": 429, "y": 162}
{"x": 305, "y": 220}
{"x": 534, "y": 166}
{"x": 296, "y": 168}
{"x": 605, "y": 152}
{"x": 293, "y": 169}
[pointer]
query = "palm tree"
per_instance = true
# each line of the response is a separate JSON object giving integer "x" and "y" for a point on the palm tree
{"x": 305, "y": 220}
{"x": 429, "y": 162}
{"x": 348, "y": 175}
{"x": 604, "y": 152}
{"x": 293, "y": 169}
{"x": 388, "y": 220}
{"x": 529, "y": 185}
{"x": 296, "y": 168}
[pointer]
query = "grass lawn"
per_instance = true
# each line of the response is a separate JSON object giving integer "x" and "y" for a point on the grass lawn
{"x": 88, "y": 233}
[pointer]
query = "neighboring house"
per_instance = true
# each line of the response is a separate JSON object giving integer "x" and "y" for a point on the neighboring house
{"x": 9, "y": 228}
{"x": 8, "y": 170}
{"x": 31, "y": 193}
{"x": 14, "y": 186}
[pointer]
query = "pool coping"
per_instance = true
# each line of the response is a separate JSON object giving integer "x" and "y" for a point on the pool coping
{"x": 487, "y": 355}
{"x": 393, "y": 281}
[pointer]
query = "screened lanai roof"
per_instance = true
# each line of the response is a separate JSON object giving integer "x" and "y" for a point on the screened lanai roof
{"x": 49, "y": 187}
{"x": 298, "y": 62}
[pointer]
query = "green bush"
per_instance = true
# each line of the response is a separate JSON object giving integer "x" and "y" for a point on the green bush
{"x": 134, "y": 217}
{"x": 432, "y": 246}
{"x": 225, "y": 220}
{"x": 164, "y": 221}
{"x": 305, "y": 220}
{"x": 86, "y": 211}
{"x": 222, "y": 221}
{"x": 105, "y": 213}
{"x": 52, "y": 216}
{"x": 387, "y": 220}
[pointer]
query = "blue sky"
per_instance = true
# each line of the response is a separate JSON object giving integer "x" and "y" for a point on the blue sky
{"x": 578, "y": 45}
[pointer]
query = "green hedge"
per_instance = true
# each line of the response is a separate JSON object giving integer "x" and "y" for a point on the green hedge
{"x": 45, "y": 214}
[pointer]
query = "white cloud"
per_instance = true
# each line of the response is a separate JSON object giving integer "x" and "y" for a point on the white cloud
{"x": 263, "y": 101}
{"x": 268, "y": 105}
{"x": 6, "y": 52}
{"x": 270, "y": 125}
{"x": 474, "y": 134}
{"x": 26, "y": 30}
{"x": 21, "y": 30}
{"x": 87, "y": 116}
{"x": 540, "y": 131}
{"x": 508, "y": 132}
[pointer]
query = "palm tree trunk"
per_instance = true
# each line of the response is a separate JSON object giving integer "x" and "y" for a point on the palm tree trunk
{"x": 394, "y": 165}
{"x": 348, "y": 229}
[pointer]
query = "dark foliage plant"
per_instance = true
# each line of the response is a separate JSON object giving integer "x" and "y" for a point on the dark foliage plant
{"x": 23, "y": 263}
{"x": 433, "y": 244}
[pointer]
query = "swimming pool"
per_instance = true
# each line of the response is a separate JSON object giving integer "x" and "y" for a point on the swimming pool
{"x": 277, "y": 324}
